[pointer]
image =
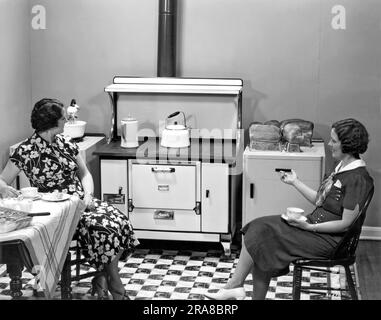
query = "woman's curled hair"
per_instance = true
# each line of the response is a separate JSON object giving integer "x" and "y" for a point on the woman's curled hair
{"x": 353, "y": 136}
{"x": 46, "y": 113}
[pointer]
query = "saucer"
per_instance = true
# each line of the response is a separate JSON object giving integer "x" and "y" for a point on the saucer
{"x": 53, "y": 198}
{"x": 285, "y": 217}
{"x": 37, "y": 197}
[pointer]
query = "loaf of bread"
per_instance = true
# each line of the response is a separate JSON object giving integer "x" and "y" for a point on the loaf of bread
{"x": 273, "y": 122}
{"x": 264, "y": 132}
{"x": 297, "y": 131}
{"x": 265, "y": 146}
{"x": 266, "y": 137}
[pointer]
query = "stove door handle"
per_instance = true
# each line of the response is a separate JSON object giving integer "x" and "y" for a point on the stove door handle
{"x": 163, "y": 170}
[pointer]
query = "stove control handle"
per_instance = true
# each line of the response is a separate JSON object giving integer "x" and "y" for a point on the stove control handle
{"x": 164, "y": 170}
{"x": 197, "y": 208}
{"x": 131, "y": 207}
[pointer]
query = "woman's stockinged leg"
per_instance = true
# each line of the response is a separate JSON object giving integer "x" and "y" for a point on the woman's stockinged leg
{"x": 261, "y": 282}
{"x": 115, "y": 283}
{"x": 244, "y": 267}
{"x": 234, "y": 288}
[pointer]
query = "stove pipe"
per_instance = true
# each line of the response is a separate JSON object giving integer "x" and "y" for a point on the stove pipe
{"x": 166, "y": 55}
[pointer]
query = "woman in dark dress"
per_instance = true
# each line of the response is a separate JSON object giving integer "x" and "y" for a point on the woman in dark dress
{"x": 52, "y": 162}
{"x": 271, "y": 243}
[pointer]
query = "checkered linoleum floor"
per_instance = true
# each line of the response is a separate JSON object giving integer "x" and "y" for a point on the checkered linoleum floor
{"x": 169, "y": 274}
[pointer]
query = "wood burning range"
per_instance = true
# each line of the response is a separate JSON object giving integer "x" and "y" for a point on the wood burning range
{"x": 191, "y": 192}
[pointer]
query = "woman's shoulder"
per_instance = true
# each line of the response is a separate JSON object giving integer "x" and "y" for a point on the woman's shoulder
{"x": 66, "y": 142}
{"x": 358, "y": 175}
{"x": 24, "y": 146}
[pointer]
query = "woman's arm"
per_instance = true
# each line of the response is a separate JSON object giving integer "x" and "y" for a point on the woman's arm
{"x": 336, "y": 226}
{"x": 86, "y": 179}
{"x": 292, "y": 179}
{"x": 8, "y": 175}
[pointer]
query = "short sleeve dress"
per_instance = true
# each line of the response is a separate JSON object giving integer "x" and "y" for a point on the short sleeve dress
{"x": 273, "y": 244}
{"x": 101, "y": 232}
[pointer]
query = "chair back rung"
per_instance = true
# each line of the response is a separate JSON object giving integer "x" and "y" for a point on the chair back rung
{"x": 84, "y": 276}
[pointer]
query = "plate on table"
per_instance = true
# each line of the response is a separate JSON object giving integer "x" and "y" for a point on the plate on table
{"x": 285, "y": 217}
{"x": 54, "y": 197}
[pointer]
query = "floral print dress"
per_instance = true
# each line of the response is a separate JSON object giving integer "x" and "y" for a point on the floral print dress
{"x": 102, "y": 231}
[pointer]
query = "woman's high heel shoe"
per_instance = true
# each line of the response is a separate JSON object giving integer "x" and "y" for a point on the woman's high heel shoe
{"x": 227, "y": 294}
{"x": 99, "y": 286}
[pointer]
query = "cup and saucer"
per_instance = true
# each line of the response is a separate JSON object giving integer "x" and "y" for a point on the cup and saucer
{"x": 293, "y": 213}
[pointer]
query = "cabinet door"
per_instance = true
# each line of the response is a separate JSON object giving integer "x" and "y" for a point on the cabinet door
{"x": 114, "y": 183}
{"x": 263, "y": 192}
{"x": 214, "y": 197}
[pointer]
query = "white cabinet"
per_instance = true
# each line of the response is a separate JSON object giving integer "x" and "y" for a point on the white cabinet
{"x": 215, "y": 197}
{"x": 263, "y": 192}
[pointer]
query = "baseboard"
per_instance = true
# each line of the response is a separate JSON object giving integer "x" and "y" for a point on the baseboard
{"x": 370, "y": 233}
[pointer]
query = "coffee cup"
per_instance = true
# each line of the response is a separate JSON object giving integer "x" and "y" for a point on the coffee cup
{"x": 294, "y": 213}
{"x": 29, "y": 192}
{"x": 26, "y": 205}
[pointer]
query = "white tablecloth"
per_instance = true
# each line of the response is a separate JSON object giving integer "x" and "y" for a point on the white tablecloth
{"x": 48, "y": 238}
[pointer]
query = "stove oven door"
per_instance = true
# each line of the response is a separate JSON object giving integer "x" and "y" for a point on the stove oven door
{"x": 164, "y": 196}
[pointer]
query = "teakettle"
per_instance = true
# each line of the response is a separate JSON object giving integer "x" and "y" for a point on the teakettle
{"x": 175, "y": 135}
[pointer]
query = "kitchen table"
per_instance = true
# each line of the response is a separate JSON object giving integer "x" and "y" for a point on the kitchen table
{"x": 42, "y": 246}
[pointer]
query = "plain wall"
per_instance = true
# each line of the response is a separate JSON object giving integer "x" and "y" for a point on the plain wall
{"x": 15, "y": 74}
{"x": 291, "y": 60}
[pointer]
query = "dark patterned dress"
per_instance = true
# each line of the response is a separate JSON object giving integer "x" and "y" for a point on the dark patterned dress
{"x": 273, "y": 244}
{"x": 102, "y": 231}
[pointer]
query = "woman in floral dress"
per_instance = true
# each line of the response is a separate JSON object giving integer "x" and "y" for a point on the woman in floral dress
{"x": 52, "y": 162}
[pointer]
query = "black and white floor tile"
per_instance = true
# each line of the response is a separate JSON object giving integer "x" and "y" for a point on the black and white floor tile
{"x": 169, "y": 274}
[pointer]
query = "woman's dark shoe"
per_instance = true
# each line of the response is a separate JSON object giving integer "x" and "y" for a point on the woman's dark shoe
{"x": 99, "y": 286}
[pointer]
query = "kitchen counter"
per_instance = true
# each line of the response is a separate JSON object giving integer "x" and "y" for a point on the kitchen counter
{"x": 205, "y": 150}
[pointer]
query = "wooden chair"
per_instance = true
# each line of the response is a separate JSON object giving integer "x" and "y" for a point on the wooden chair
{"x": 344, "y": 255}
{"x": 66, "y": 274}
